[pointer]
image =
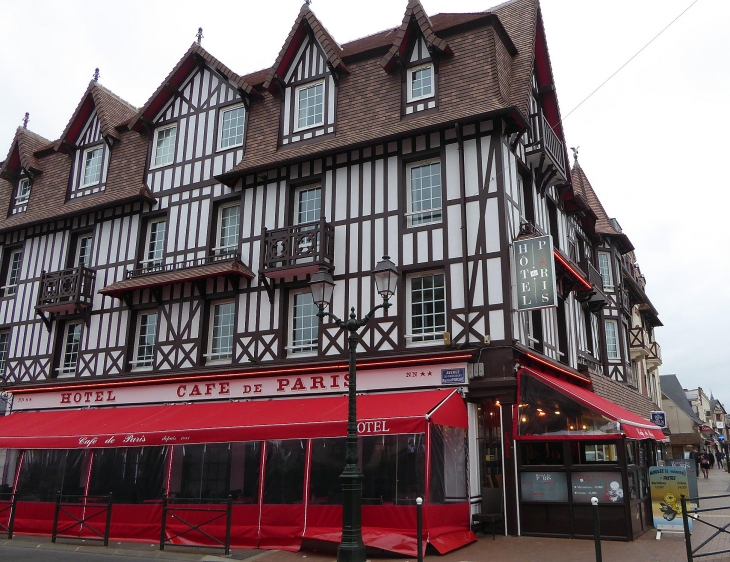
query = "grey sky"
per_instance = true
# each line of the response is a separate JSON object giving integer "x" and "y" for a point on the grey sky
{"x": 651, "y": 139}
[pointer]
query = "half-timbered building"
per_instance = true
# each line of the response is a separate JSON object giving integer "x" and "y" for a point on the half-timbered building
{"x": 156, "y": 319}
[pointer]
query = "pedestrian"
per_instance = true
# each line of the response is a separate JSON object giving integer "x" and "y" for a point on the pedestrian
{"x": 712, "y": 459}
{"x": 720, "y": 457}
{"x": 695, "y": 454}
{"x": 705, "y": 465}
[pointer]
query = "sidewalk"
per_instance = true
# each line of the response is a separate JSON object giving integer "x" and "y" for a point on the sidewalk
{"x": 670, "y": 548}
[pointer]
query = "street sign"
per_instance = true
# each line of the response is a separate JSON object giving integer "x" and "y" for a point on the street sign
{"x": 535, "y": 273}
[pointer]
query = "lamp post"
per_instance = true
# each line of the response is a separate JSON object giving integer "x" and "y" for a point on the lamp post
{"x": 351, "y": 548}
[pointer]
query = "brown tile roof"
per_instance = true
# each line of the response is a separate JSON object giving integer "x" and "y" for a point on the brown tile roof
{"x": 469, "y": 85}
{"x": 110, "y": 108}
{"x": 176, "y": 77}
{"x": 622, "y": 395}
{"x": 22, "y": 154}
{"x": 415, "y": 12}
{"x": 49, "y": 190}
{"x": 217, "y": 269}
{"x": 583, "y": 187}
{"x": 306, "y": 18}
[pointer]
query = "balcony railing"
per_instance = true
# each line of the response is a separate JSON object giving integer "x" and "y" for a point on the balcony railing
{"x": 594, "y": 278}
{"x": 545, "y": 139}
{"x": 152, "y": 268}
{"x": 638, "y": 342}
{"x": 654, "y": 359}
{"x": 68, "y": 290}
{"x": 298, "y": 250}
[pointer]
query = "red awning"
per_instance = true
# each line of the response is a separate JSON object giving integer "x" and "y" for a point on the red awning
{"x": 632, "y": 425}
{"x": 300, "y": 418}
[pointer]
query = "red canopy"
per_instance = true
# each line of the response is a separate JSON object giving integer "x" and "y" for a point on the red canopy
{"x": 633, "y": 426}
{"x": 300, "y": 418}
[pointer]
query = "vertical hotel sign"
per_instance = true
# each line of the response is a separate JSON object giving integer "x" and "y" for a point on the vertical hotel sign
{"x": 535, "y": 273}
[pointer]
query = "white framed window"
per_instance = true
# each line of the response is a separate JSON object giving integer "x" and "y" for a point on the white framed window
{"x": 155, "y": 244}
{"x": 11, "y": 281}
{"x": 304, "y": 324}
{"x": 426, "y": 308}
{"x": 220, "y": 336}
{"x": 309, "y": 106}
{"x": 4, "y": 339}
{"x": 612, "y": 339}
{"x": 604, "y": 268}
{"x": 420, "y": 82}
{"x": 144, "y": 349}
{"x": 230, "y": 125}
{"x": 71, "y": 346}
{"x": 424, "y": 193}
{"x": 308, "y": 204}
{"x": 83, "y": 251}
{"x": 163, "y": 147}
{"x": 229, "y": 219}
{"x": 91, "y": 173}
{"x": 23, "y": 193}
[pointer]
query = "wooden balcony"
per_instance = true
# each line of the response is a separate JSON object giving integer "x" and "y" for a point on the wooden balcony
{"x": 654, "y": 358}
{"x": 69, "y": 291}
{"x": 595, "y": 299}
{"x": 546, "y": 152}
{"x": 298, "y": 250}
{"x": 638, "y": 343}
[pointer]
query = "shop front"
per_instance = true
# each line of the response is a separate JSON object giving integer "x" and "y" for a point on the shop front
{"x": 279, "y": 459}
{"x": 572, "y": 445}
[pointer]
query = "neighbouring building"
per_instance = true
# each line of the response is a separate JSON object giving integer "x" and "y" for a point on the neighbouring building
{"x": 158, "y": 337}
{"x": 684, "y": 425}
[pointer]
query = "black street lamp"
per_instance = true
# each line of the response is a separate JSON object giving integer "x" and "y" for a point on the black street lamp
{"x": 351, "y": 548}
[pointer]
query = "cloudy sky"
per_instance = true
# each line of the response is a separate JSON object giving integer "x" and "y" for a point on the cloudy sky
{"x": 647, "y": 137}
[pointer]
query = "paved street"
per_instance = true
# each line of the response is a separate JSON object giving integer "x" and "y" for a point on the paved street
{"x": 505, "y": 549}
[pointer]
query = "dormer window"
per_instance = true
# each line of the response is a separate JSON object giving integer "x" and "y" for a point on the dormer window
{"x": 92, "y": 166}
{"x": 309, "y": 109}
{"x": 164, "y": 146}
{"x": 420, "y": 82}
{"x": 231, "y": 127}
{"x": 23, "y": 193}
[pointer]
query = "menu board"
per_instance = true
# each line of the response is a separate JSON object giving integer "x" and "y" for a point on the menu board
{"x": 544, "y": 486}
{"x": 606, "y": 486}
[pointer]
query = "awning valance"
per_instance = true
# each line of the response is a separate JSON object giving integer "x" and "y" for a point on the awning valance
{"x": 632, "y": 425}
{"x": 221, "y": 422}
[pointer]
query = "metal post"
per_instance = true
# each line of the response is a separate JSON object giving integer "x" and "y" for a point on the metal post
{"x": 11, "y": 523}
{"x": 419, "y": 528}
{"x": 597, "y": 529}
{"x": 352, "y": 548}
{"x": 687, "y": 534}
{"x": 164, "y": 518}
{"x": 229, "y": 509}
{"x": 55, "y": 516}
{"x": 108, "y": 520}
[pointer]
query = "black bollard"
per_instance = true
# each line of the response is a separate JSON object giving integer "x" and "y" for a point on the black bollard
{"x": 597, "y": 529}
{"x": 687, "y": 534}
{"x": 419, "y": 528}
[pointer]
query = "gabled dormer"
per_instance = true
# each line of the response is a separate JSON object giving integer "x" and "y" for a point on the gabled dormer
{"x": 306, "y": 74}
{"x": 90, "y": 136}
{"x": 196, "y": 121}
{"x": 414, "y": 52}
{"x": 21, "y": 167}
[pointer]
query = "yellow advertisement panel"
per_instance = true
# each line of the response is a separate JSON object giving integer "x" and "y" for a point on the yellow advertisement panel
{"x": 668, "y": 483}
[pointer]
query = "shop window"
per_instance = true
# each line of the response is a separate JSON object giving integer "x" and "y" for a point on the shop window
{"x": 215, "y": 471}
{"x": 542, "y": 453}
{"x": 394, "y": 467}
{"x": 131, "y": 474}
{"x": 426, "y": 303}
{"x": 228, "y": 221}
{"x": 545, "y": 411}
{"x": 328, "y": 462}
{"x": 489, "y": 441}
{"x": 448, "y": 465}
{"x": 43, "y": 473}
{"x": 592, "y": 453}
{"x": 8, "y": 464}
{"x": 284, "y": 481}
{"x": 424, "y": 195}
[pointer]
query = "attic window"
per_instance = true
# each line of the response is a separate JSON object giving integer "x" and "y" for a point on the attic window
{"x": 92, "y": 166}
{"x": 164, "y": 146}
{"x": 23, "y": 193}
{"x": 420, "y": 82}
{"x": 309, "y": 101}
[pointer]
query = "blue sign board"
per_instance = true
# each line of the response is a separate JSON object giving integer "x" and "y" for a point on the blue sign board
{"x": 453, "y": 376}
{"x": 659, "y": 418}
